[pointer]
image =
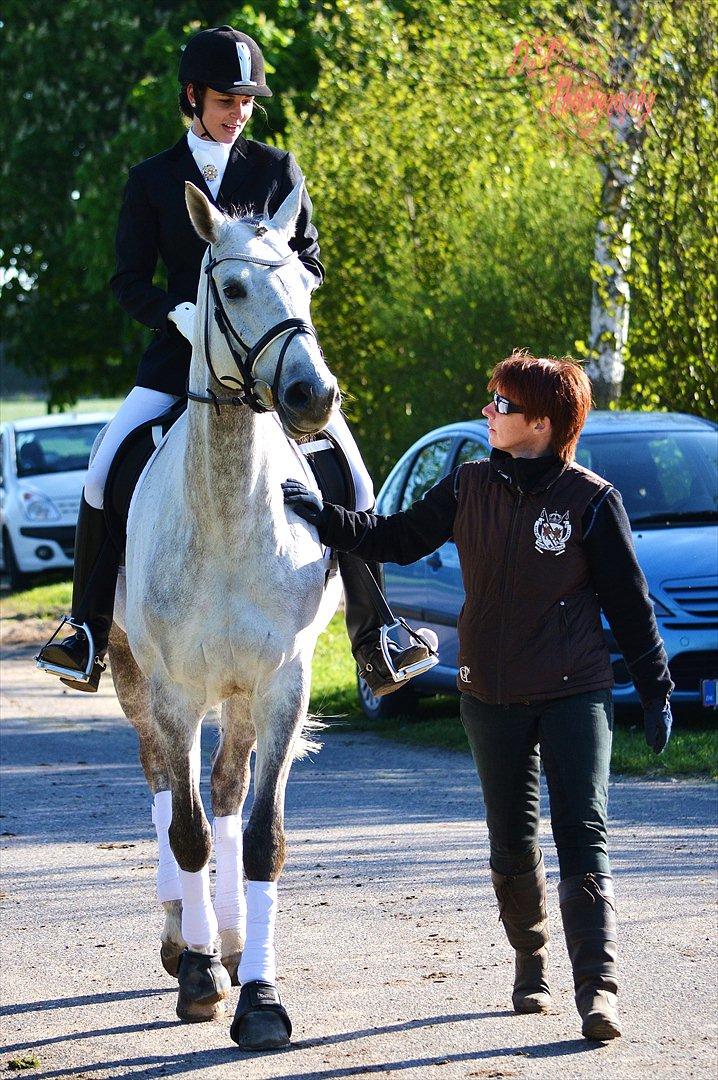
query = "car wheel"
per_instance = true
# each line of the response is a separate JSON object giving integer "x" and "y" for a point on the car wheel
{"x": 18, "y": 579}
{"x": 400, "y": 703}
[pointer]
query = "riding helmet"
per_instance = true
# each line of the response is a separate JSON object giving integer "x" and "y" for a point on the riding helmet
{"x": 225, "y": 60}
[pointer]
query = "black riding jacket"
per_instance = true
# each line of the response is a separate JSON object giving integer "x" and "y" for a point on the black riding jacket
{"x": 605, "y": 544}
{"x": 154, "y": 224}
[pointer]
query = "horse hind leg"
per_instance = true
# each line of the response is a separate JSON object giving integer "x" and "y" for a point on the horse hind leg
{"x": 230, "y": 784}
{"x": 203, "y": 982}
{"x": 133, "y": 693}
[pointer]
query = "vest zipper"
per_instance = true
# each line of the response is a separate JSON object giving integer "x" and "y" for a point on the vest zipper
{"x": 507, "y": 555}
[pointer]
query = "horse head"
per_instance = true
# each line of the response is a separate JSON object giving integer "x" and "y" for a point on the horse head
{"x": 257, "y": 337}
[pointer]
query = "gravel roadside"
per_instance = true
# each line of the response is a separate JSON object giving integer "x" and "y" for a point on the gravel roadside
{"x": 390, "y": 955}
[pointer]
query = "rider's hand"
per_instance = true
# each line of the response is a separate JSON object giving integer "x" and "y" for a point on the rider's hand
{"x": 183, "y": 318}
{"x": 302, "y": 501}
{"x": 657, "y": 721}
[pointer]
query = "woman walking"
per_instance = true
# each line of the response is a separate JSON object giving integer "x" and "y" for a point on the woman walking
{"x": 221, "y": 74}
{"x": 543, "y": 545}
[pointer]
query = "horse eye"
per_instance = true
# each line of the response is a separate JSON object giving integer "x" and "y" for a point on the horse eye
{"x": 234, "y": 291}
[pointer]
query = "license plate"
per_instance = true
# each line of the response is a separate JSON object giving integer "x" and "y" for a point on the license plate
{"x": 709, "y": 693}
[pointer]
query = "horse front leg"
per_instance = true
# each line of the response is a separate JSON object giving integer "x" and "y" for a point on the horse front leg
{"x": 230, "y": 784}
{"x": 203, "y": 982}
{"x": 133, "y": 693}
{"x": 278, "y": 710}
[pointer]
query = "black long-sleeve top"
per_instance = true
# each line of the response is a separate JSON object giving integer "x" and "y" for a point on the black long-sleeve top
{"x": 615, "y": 574}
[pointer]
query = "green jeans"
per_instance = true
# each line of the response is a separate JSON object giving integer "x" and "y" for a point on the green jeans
{"x": 572, "y": 737}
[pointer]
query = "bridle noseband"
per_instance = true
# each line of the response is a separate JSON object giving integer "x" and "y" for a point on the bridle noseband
{"x": 246, "y": 363}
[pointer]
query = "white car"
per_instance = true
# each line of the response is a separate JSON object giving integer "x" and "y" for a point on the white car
{"x": 43, "y": 462}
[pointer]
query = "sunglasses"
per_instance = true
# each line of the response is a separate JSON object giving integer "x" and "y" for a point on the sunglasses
{"x": 504, "y": 406}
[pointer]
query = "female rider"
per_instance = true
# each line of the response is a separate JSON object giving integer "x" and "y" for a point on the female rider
{"x": 221, "y": 73}
{"x": 543, "y": 545}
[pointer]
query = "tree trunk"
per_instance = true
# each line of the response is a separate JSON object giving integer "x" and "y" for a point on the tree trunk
{"x": 619, "y": 163}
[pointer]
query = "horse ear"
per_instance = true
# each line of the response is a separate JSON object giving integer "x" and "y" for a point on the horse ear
{"x": 285, "y": 219}
{"x": 206, "y": 219}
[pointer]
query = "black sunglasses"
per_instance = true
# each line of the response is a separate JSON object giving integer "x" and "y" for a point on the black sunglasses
{"x": 504, "y": 406}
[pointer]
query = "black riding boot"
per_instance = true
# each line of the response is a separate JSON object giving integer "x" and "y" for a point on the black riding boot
{"x": 364, "y": 624}
{"x": 522, "y": 910}
{"x": 94, "y": 582}
{"x": 589, "y": 921}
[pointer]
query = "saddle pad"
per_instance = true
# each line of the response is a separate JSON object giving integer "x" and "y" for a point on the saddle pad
{"x": 322, "y": 453}
{"x": 127, "y": 466}
{"x": 329, "y": 464}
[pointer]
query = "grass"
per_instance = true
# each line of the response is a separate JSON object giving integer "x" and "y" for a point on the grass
{"x": 691, "y": 751}
{"x": 24, "y": 408}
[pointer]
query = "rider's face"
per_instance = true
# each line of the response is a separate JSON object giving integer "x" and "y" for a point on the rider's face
{"x": 224, "y": 115}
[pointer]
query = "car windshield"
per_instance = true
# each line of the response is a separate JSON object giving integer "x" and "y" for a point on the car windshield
{"x": 54, "y": 449}
{"x": 662, "y": 476}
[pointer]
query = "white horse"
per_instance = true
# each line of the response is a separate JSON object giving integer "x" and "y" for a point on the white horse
{"x": 225, "y": 597}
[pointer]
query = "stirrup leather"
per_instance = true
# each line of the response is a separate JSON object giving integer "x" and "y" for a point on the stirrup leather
{"x": 72, "y": 673}
{"x": 402, "y": 674}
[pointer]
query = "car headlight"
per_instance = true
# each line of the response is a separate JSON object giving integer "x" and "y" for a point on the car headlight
{"x": 38, "y": 507}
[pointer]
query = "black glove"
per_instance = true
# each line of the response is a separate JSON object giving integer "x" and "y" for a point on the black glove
{"x": 657, "y": 722}
{"x": 302, "y": 501}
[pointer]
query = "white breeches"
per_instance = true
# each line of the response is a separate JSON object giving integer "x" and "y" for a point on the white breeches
{"x": 140, "y": 405}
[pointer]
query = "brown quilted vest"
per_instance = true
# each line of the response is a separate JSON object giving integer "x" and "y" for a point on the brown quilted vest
{"x": 530, "y": 627}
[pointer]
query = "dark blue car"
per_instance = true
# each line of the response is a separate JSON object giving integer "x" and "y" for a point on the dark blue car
{"x": 664, "y": 464}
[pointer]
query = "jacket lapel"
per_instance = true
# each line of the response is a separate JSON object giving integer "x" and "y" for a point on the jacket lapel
{"x": 186, "y": 168}
{"x": 230, "y": 193}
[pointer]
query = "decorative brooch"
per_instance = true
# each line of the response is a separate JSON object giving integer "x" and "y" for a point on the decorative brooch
{"x": 209, "y": 171}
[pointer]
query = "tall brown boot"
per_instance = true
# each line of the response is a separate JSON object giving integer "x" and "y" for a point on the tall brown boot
{"x": 589, "y": 920}
{"x": 522, "y": 909}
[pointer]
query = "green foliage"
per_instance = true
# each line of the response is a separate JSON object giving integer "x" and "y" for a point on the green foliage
{"x": 674, "y": 278}
{"x": 452, "y": 229}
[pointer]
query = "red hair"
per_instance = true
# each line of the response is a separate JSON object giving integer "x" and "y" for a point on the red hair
{"x": 558, "y": 389}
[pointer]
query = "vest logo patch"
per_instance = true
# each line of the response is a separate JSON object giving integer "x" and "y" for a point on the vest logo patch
{"x": 552, "y": 531}
{"x": 465, "y": 674}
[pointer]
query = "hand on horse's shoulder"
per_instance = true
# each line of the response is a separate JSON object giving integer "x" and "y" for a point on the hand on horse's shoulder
{"x": 302, "y": 501}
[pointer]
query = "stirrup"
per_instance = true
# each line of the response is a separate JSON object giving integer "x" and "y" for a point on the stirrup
{"x": 72, "y": 673}
{"x": 402, "y": 674}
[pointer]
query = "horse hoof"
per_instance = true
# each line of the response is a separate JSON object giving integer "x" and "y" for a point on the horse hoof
{"x": 260, "y": 1021}
{"x": 203, "y": 986}
{"x": 170, "y": 957}
{"x": 231, "y": 963}
{"x": 262, "y": 1031}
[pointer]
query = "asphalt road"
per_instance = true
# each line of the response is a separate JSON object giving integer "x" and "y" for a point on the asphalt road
{"x": 391, "y": 958}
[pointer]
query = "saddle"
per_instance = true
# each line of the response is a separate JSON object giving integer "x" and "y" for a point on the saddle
{"x": 322, "y": 453}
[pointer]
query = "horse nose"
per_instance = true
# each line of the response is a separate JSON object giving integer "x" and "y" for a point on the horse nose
{"x": 299, "y": 395}
{"x": 310, "y": 401}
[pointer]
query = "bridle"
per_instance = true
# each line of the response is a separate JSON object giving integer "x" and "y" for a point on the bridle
{"x": 246, "y": 361}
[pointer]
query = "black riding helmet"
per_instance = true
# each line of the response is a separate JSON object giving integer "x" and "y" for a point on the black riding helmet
{"x": 225, "y": 60}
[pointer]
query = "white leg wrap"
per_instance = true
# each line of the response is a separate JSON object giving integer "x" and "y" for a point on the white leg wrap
{"x": 258, "y": 961}
{"x": 199, "y": 922}
{"x": 229, "y": 903}
{"x": 168, "y": 884}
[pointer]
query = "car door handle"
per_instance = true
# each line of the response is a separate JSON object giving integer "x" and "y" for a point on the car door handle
{"x": 434, "y": 561}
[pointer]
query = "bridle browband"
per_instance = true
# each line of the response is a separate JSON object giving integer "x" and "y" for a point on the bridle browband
{"x": 246, "y": 382}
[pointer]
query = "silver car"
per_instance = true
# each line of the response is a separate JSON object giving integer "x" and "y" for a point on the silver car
{"x": 43, "y": 462}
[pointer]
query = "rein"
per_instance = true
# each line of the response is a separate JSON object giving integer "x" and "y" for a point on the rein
{"x": 246, "y": 361}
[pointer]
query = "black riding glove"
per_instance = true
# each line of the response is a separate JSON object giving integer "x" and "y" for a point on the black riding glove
{"x": 657, "y": 722}
{"x": 302, "y": 501}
